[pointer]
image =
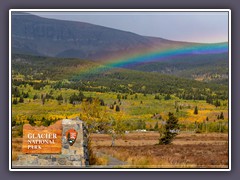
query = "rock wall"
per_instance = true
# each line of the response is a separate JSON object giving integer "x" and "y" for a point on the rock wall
{"x": 73, "y": 156}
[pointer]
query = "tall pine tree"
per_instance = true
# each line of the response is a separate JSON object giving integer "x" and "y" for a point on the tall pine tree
{"x": 171, "y": 129}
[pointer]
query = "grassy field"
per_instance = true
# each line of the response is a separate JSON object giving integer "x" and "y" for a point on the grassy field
{"x": 192, "y": 148}
{"x": 135, "y": 107}
{"x": 188, "y": 150}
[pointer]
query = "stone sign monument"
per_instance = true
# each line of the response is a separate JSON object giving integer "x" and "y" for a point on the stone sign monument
{"x": 63, "y": 144}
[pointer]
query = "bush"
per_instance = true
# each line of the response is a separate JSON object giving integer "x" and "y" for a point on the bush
{"x": 31, "y": 121}
{"x": 20, "y": 130}
{"x": 167, "y": 97}
{"x": 35, "y": 97}
{"x": 60, "y": 98}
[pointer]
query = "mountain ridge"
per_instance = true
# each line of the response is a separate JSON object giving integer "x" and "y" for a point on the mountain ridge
{"x": 61, "y": 38}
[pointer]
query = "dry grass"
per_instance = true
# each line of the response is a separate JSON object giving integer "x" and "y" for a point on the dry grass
{"x": 16, "y": 148}
{"x": 15, "y": 155}
{"x": 103, "y": 160}
{"x": 139, "y": 150}
{"x": 151, "y": 138}
{"x": 187, "y": 151}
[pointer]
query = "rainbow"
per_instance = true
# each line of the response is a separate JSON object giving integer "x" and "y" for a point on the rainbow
{"x": 144, "y": 56}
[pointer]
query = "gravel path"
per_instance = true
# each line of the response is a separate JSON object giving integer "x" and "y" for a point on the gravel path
{"x": 112, "y": 161}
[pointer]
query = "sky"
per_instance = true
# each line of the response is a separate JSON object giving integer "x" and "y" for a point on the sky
{"x": 202, "y": 27}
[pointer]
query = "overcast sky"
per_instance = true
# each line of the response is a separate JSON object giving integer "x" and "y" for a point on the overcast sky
{"x": 206, "y": 27}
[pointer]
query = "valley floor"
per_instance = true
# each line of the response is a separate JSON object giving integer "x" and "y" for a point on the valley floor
{"x": 140, "y": 150}
{"x": 188, "y": 150}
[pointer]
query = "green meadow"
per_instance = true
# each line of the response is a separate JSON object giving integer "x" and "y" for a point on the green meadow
{"x": 133, "y": 107}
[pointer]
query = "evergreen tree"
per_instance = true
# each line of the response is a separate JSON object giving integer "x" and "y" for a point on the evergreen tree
{"x": 167, "y": 97}
{"x": 21, "y": 100}
{"x": 102, "y": 102}
{"x": 221, "y": 116}
{"x": 117, "y": 108}
{"x": 150, "y": 127}
{"x": 136, "y": 96}
{"x": 156, "y": 126}
{"x": 15, "y": 101}
{"x": 209, "y": 100}
{"x": 31, "y": 121}
{"x": 217, "y": 103}
{"x": 111, "y": 106}
{"x": 35, "y": 97}
{"x": 25, "y": 95}
{"x": 144, "y": 125}
{"x": 14, "y": 123}
{"x": 118, "y": 96}
{"x": 49, "y": 96}
{"x": 16, "y": 92}
{"x": 80, "y": 96}
{"x": 46, "y": 122}
{"x": 89, "y": 99}
{"x": 177, "y": 110}
{"x": 160, "y": 117}
{"x": 156, "y": 96}
{"x": 170, "y": 130}
{"x": 73, "y": 98}
{"x": 43, "y": 99}
{"x": 195, "y": 110}
{"x": 60, "y": 97}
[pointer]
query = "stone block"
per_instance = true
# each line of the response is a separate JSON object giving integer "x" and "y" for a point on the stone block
{"x": 62, "y": 161}
{"x": 74, "y": 158}
{"x": 77, "y": 163}
{"x": 66, "y": 146}
{"x": 69, "y": 163}
{"x": 44, "y": 156}
{"x": 79, "y": 152}
{"x": 76, "y": 155}
{"x": 43, "y": 162}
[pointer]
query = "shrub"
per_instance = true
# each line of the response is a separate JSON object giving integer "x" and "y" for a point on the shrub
{"x": 60, "y": 98}
{"x": 35, "y": 97}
